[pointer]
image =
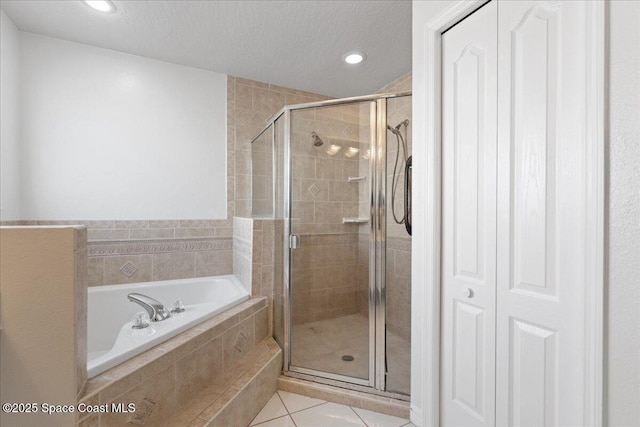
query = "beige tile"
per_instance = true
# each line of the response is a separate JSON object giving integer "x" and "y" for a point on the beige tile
{"x": 303, "y": 167}
{"x": 198, "y": 232}
{"x": 343, "y": 191}
{"x": 314, "y": 189}
{"x": 243, "y": 208}
{"x": 117, "y": 387}
{"x": 330, "y": 168}
{"x": 96, "y": 224}
{"x": 249, "y": 82}
{"x": 243, "y": 186}
{"x": 94, "y": 235}
{"x": 328, "y": 212}
{"x": 95, "y": 271}
{"x": 403, "y": 263}
{"x": 238, "y": 341}
{"x": 194, "y": 223}
{"x": 223, "y": 232}
{"x": 268, "y": 100}
{"x": 303, "y": 212}
{"x": 155, "y": 397}
{"x": 151, "y": 233}
{"x": 214, "y": 263}
{"x": 127, "y": 269}
{"x": 266, "y": 288}
{"x": 198, "y": 370}
{"x": 92, "y": 420}
{"x": 240, "y": 410}
{"x": 164, "y": 223}
{"x": 243, "y": 94}
{"x": 261, "y": 319}
{"x": 132, "y": 224}
{"x": 243, "y": 162}
{"x": 176, "y": 265}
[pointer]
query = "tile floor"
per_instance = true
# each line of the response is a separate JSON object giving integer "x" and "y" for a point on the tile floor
{"x": 320, "y": 345}
{"x": 286, "y": 409}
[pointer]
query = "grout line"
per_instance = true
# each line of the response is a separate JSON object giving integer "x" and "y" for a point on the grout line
{"x": 282, "y": 401}
{"x": 272, "y": 419}
{"x": 314, "y": 406}
{"x": 358, "y": 415}
{"x": 295, "y": 412}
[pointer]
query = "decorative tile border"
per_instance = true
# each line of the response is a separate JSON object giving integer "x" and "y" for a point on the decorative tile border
{"x": 133, "y": 247}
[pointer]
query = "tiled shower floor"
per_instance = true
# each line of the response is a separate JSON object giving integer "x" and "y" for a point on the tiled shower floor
{"x": 320, "y": 345}
{"x": 293, "y": 410}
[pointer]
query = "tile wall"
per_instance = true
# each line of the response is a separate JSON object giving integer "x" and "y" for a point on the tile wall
{"x": 253, "y": 257}
{"x": 249, "y": 106}
{"x": 326, "y": 264}
{"x": 398, "y": 264}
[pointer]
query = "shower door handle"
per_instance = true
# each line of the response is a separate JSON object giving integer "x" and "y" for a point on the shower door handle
{"x": 294, "y": 241}
{"x": 407, "y": 194}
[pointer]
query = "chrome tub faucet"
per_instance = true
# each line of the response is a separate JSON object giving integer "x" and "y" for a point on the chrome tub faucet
{"x": 156, "y": 310}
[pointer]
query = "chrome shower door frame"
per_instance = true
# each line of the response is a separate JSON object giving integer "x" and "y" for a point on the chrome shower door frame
{"x": 377, "y": 240}
{"x": 378, "y": 243}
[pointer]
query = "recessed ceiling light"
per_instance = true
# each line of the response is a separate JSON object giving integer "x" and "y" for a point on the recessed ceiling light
{"x": 105, "y": 6}
{"x": 353, "y": 58}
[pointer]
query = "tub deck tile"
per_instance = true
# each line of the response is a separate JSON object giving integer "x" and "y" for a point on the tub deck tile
{"x": 246, "y": 389}
{"x": 199, "y": 404}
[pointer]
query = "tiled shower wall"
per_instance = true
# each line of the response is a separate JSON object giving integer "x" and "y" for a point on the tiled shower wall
{"x": 398, "y": 264}
{"x": 325, "y": 265}
{"x": 249, "y": 106}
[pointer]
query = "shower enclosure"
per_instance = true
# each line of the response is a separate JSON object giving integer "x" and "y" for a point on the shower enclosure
{"x": 335, "y": 178}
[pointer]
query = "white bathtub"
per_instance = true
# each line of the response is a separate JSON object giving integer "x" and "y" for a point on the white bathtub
{"x": 111, "y": 339}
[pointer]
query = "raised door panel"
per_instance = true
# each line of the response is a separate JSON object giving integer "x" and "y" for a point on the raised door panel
{"x": 468, "y": 250}
{"x": 535, "y": 74}
{"x": 541, "y": 213}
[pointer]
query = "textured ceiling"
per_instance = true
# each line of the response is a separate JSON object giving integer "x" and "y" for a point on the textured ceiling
{"x": 297, "y": 44}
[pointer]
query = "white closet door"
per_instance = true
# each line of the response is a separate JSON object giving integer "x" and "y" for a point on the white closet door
{"x": 542, "y": 183}
{"x": 469, "y": 220}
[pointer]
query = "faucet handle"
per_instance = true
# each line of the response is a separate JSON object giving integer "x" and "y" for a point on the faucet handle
{"x": 140, "y": 320}
{"x": 178, "y": 306}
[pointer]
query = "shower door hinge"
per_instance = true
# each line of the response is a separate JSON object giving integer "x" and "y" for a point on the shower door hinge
{"x": 294, "y": 241}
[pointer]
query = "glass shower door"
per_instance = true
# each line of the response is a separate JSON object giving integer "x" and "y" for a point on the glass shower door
{"x": 332, "y": 328}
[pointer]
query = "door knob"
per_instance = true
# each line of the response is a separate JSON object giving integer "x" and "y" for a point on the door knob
{"x": 468, "y": 292}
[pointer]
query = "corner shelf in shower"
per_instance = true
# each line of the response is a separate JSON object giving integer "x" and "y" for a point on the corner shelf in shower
{"x": 355, "y": 220}
{"x": 357, "y": 179}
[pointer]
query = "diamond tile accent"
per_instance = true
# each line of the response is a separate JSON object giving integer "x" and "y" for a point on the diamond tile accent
{"x": 346, "y": 132}
{"x": 128, "y": 269}
{"x": 314, "y": 190}
{"x": 241, "y": 344}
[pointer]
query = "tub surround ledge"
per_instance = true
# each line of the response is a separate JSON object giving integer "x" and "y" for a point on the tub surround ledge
{"x": 197, "y": 365}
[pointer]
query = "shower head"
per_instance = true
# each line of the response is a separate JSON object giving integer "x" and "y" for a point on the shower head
{"x": 317, "y": 142}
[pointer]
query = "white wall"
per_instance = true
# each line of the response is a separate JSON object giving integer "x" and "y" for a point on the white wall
{"x": 9, "y": 120}
{"x": 107, "y": 135}
{"x": 623, "y": 309}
